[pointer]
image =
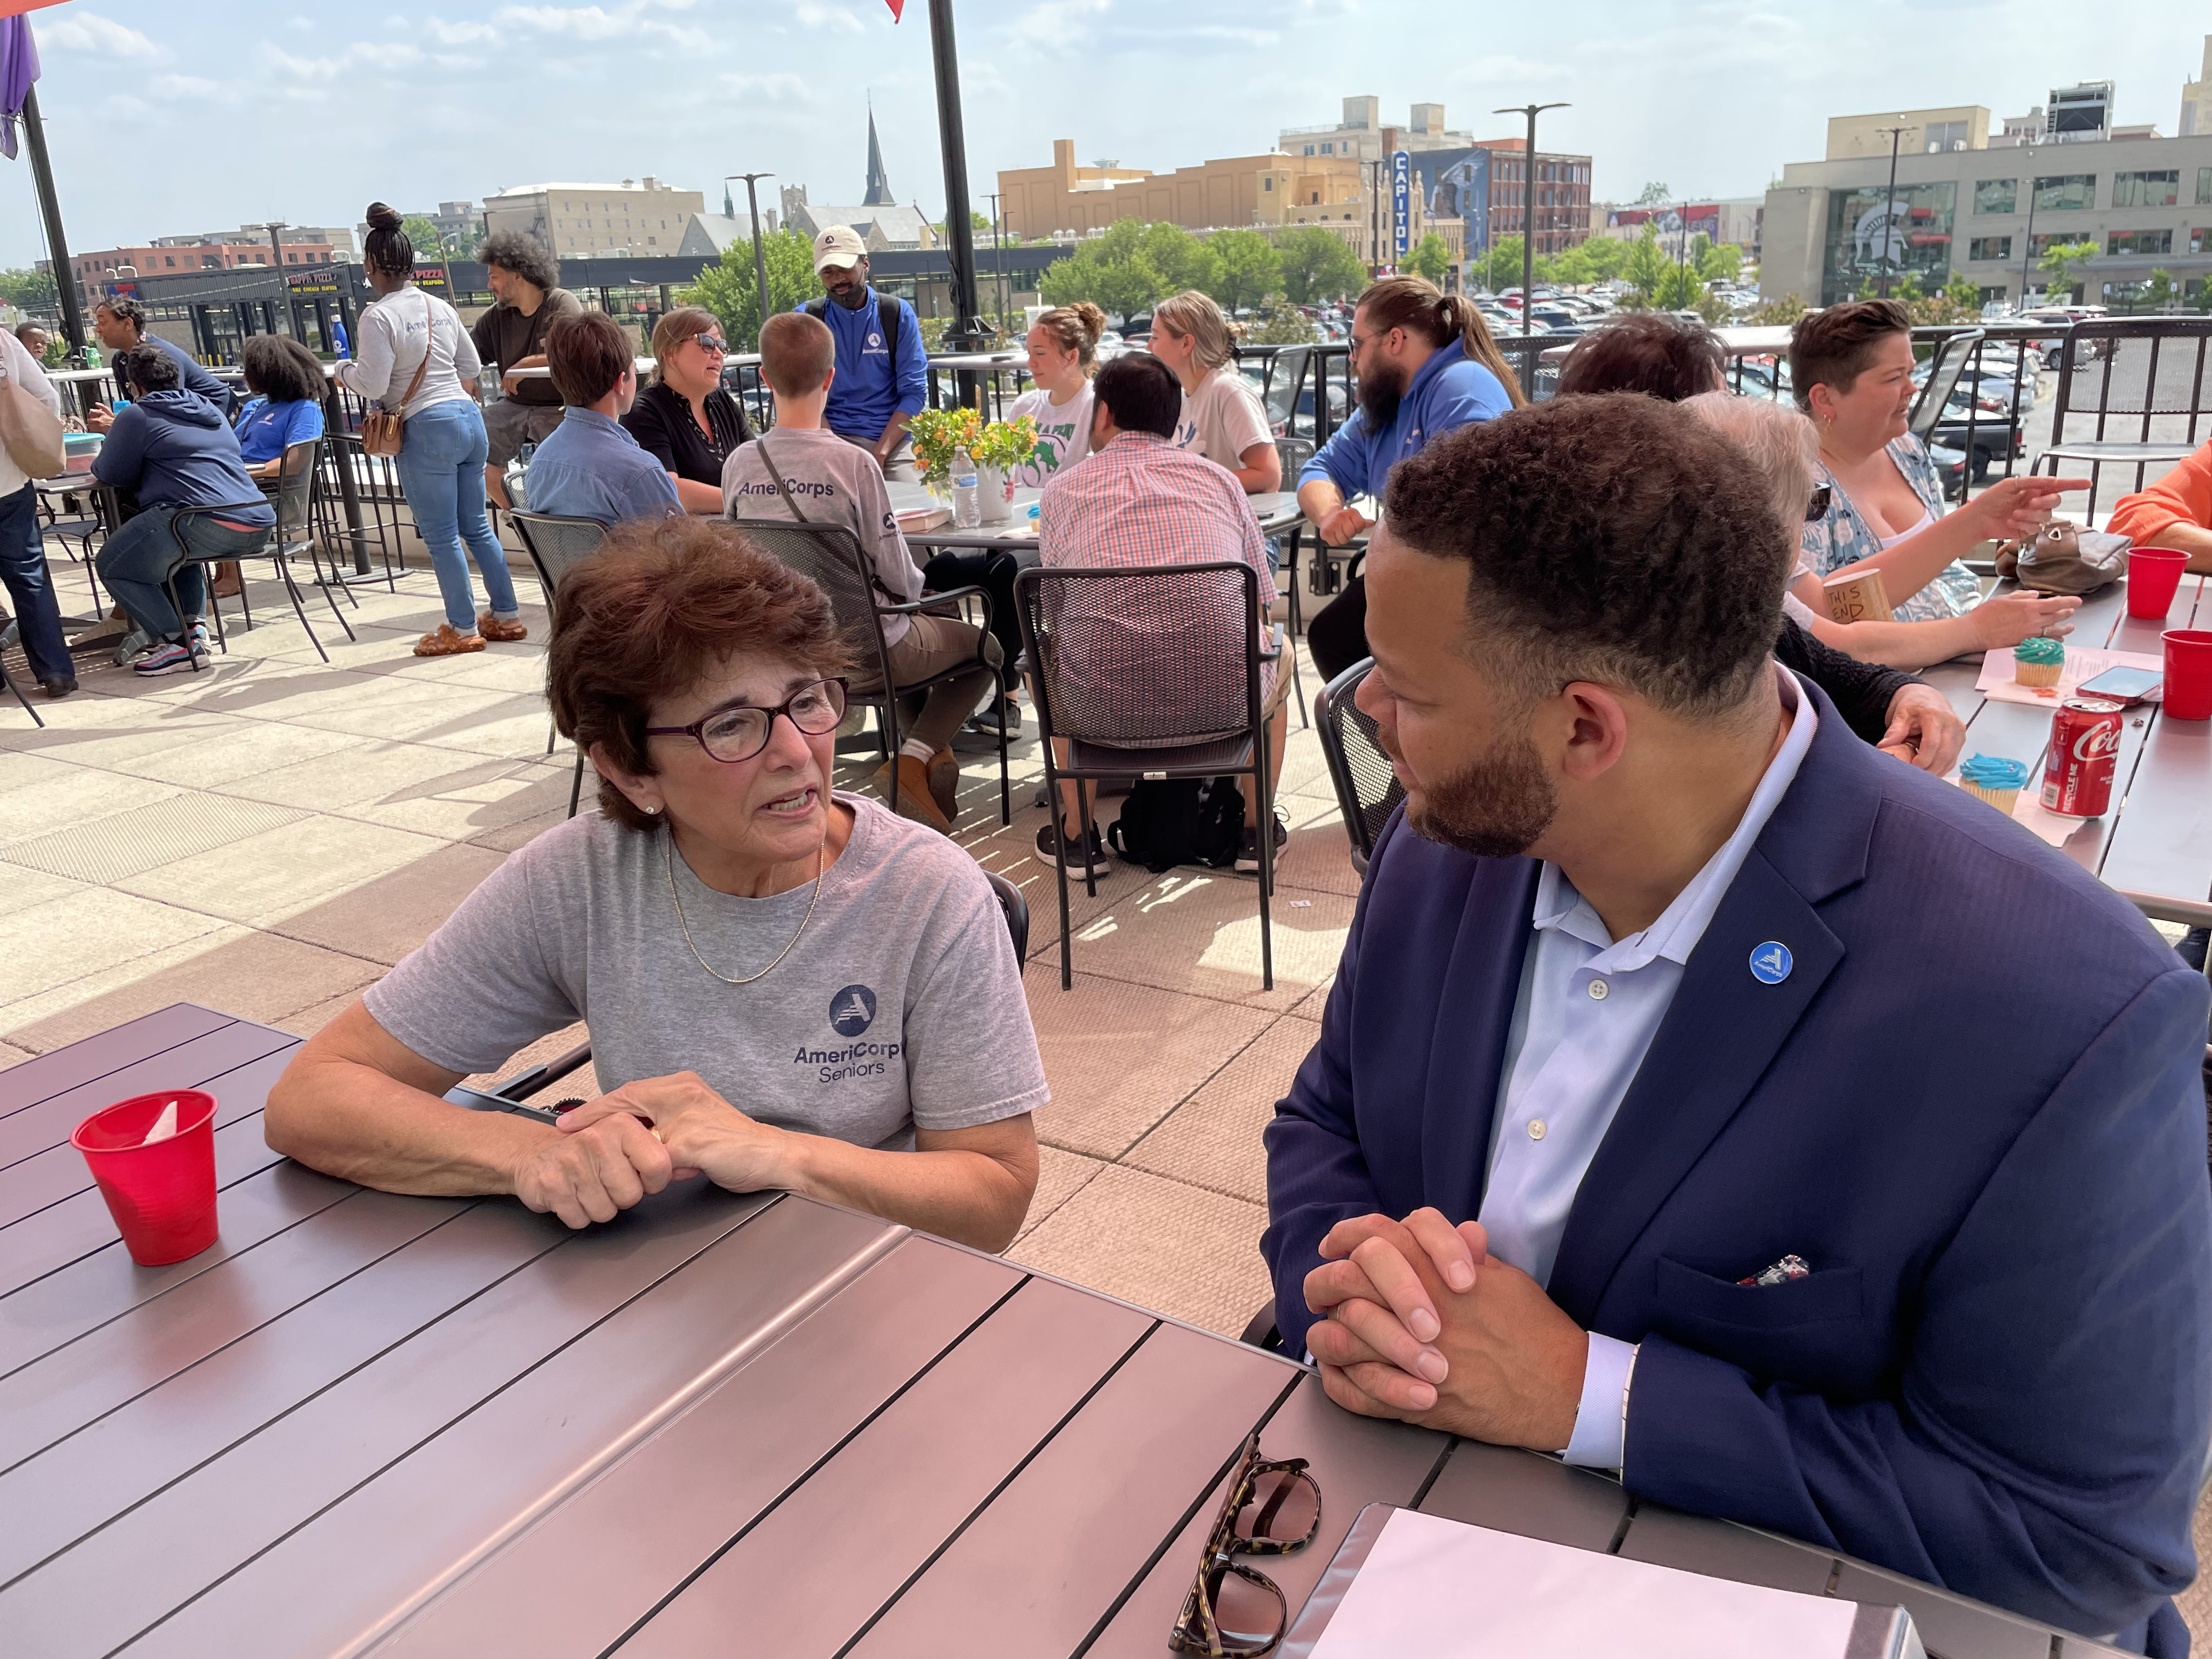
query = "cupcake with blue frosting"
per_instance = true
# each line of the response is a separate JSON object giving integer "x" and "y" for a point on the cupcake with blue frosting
{"x": 2038, "y": 661}
{"x": 1996, "y": 782}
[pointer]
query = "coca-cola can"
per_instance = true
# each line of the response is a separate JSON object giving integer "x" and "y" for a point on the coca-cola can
{"x": 2085, "y": 749}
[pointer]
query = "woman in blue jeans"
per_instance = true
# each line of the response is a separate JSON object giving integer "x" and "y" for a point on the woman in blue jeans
{"x": 415, "y": 357}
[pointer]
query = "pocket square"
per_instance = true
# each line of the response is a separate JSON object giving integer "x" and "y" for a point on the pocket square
{"x": 1790, "y": 1267}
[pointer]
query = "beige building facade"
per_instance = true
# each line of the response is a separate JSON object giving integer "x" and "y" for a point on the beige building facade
{"x": 1925, "y": 132}
{"x": 1268, "y": 190}
{"x": 578, "y": 221}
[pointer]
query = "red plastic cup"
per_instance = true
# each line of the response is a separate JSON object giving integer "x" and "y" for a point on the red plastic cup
{"x": 161, "y": 1194}
{"x": 2154, "y": 575}
{"x": 2188, "y": 674}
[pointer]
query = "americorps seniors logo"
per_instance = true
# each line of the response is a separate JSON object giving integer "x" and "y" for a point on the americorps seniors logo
{"x": 852, "y": 1011}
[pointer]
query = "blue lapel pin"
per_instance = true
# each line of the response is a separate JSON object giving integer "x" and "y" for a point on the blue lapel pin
{"x": 1771, "y": 963}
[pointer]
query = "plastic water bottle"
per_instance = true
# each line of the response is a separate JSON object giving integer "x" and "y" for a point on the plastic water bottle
{"x": 967, "y": 508}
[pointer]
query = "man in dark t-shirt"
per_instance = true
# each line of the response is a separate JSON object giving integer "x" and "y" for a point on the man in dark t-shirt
{"x": 524, "y": 280}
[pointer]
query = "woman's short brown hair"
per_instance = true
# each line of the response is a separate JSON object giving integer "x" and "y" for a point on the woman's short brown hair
{"x": 1832, "y": 347}
{"x": 661, "y": 605}
{"x": 1669, "y": 358}
{"x": 588, "y": 353}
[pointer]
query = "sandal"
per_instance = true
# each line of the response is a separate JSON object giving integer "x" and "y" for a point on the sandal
{"x": 446, "y": 642}
{"x": 505, "y": 630}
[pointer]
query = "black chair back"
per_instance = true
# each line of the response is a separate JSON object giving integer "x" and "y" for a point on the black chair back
{"x": 1017, "y": 909}
{"x": 1294, "y": 452}
{"x": 829, "y": 557}
{"x": 298, "y": 486}
{"x": 1953, "y": 353}
{"x": 1151, "y": 657}
{"x": 556, "y": 545}
{"x": 1367, "y": 788}
{"x": 1286, "y": 375}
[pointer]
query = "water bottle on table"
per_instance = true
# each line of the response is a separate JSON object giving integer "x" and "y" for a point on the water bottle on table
{"x": 967, "y": 504}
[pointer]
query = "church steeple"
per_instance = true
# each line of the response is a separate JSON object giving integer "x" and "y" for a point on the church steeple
{"x": 879, "y": 185}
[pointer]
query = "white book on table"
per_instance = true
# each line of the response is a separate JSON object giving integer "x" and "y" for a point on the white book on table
{"x": 1404, "y": 1583}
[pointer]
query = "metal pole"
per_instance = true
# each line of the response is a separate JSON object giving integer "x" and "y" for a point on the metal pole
{"x": 2028, "y": 241}
{"x": 966, "y": 331}
{"x": 998, "y": 254}
{"x": 1528, "y": 242}
{"x": 1889, "y": 216}
{"x": 50, "y": 209}
{"x": 760, "y": 254}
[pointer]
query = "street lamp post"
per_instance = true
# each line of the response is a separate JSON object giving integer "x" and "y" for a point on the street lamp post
{"x": 1529, "y": 240}
{"x": 2027, "y": 240}
{"x": 760, "y": 254}
{"x": 999, "y": 254}
{"x": 1889, "y": 211}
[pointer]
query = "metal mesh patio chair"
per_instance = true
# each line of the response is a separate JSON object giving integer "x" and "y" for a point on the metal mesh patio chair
{"x": 829, "y": 556}
{"x": 1367, "y": 789}
{"x": 297, "y": 481}
{"x": 1953, "y": 353}
{"x": 556, "y": 545}
{"x": 1139, "y": 671}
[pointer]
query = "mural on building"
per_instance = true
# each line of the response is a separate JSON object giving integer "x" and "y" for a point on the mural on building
{"x": 1455, "y": 184}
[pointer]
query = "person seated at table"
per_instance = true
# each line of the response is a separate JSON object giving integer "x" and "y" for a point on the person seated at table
{"x": 685, "y": 419}
{"x": 1602, "y": 1150}
{"x": 174, "y": 449}
{"x": 882, "y": 368}
{"x": 286, "y": 407}
{"x": 1851, "y": 369}
{"x": 1141, "y": 500}
{"x": 805, "y": 462}
{"x": 589, "y": 467}
{"x": 34, "y": 339}
{"x": 1426, "y": 365}
{"x": 2174, "y": 511}
{"x": 1676, "y": 358}
{"x": 1223, "y": 418}
{"x": 119, "y": 321}
{"x": 792, "y": 987}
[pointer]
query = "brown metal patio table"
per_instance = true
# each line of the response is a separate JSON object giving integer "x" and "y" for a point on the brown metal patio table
{"x": 724, "y": 1424}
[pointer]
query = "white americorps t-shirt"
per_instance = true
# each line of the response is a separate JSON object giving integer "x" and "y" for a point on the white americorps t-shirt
{"x": 1063, "y": 433}
{"x": 1223, "y": 419}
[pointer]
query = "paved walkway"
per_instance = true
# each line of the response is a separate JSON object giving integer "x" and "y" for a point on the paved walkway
{"x": 268, "y": 837}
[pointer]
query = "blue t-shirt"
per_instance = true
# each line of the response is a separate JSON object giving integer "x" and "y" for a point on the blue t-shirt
{"x": 866, "y": 391}
{"x": 1450, "y": 390}
{"x": 266, "y": 430}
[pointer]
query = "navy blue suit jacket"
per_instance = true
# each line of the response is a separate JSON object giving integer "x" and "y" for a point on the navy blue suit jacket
{"x": 1974, "y": 1108}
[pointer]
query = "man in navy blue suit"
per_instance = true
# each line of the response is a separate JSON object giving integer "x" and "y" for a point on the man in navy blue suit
{"x": 1706, "y": 1096}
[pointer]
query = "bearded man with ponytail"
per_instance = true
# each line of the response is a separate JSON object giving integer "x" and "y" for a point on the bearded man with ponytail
{"x": 1425, "y": 366}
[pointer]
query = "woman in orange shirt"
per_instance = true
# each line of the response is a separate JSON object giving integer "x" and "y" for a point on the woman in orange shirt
{"x": 2176, "y": 512}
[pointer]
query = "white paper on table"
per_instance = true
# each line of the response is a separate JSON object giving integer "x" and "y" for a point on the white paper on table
{"x": 1443, "y": 1589}
{"x": 2082, "y": 663}
{"x": 164, "y": 1126}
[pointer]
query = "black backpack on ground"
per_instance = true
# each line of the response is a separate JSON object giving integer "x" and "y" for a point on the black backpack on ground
{"x": 1166, "y": 822}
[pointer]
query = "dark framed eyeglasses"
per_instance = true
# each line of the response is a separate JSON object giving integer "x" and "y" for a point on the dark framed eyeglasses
{"x": 713, "y": 343}
{"x": 731, "y": 735}
{"x": 1817, "y": 508}
{"x": 1233, "y": 1612}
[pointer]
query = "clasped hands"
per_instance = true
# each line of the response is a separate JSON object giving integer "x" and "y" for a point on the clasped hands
{"x": 612, "y": 1151}
{"x": 1419, "y": 1321}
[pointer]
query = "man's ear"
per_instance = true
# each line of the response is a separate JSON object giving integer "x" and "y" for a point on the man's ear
{"x": 830, "y": 376}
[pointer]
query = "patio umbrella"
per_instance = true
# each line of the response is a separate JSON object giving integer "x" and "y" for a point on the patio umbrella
{"x": 19, "y": 67}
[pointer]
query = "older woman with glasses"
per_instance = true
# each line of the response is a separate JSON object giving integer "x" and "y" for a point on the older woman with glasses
{"x": 785, "y": 987}
{"x": 684, "y": 419}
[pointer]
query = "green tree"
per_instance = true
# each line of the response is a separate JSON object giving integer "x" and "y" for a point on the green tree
{"x": 1318, "y": 264}
{"x": 1110, "y": 270}
{"x": 1677, "y": 289}
{"x": 1777, "y": 314}
{"x": 1501, "y": 267}
{"x": 30, "y": 289}
{"x": 1251, "y": 271}
{"x": 1653, "y": 194}
{"x": 1963, "y": 290}
{"x": 2058, "y": 262}
{"x": 1645, "y": 263}
{"x": 2158, "y": 292}
{"x": 1282, "y": 325}
{"x": 424, "y": 235}
{"x": 732, "y": 291}
{"x": 1431, "y": 259}
{"x": 1719, "y": 262}
{"x": 1181, "y": 260}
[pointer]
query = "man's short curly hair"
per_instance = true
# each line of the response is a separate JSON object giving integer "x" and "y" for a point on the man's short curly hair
{"x": 1650, "y": 351}
{"x": 661, "y": 607}
{"x": 1613, "y": 539}
{"x": 523, "y": 254}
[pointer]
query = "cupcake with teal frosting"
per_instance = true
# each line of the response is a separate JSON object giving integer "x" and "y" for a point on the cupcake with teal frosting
{"x": 1996, "y": 782}
{"x": 2038, "y": 661}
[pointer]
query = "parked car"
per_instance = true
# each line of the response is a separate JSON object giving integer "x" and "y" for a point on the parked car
{"x": 1951, "y": 470}
{"x": 1994, "y": 436}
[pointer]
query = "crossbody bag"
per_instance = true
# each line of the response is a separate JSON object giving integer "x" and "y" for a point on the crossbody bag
{"x": 384, "y": 430}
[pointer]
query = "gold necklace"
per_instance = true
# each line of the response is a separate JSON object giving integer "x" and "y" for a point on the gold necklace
{"x": 677, "y": 901}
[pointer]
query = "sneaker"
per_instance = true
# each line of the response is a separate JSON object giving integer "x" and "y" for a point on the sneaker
{"x": 987, "y": 719}
{"x": 133, "y": 645}
{"x": 170, "y": 658}
{"x": 1048, "y": 851}
{"x": 58, "y": 687}
{"x": 196, "y": 638}
{"x": 1247, "y": 851}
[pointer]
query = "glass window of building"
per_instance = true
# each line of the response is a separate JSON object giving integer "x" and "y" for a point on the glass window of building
{"x": 2200, "y": 240}
{"x": 1997, "y": 196}
{"x": 1871, "y": 231}
{"x": 2140, "y": 241}
{"x": 1946, "y": 134}
{"x": 2204, "y": 187}
{"x": 2147, "y": 190}
{"x": 1990, "y": 247}
{"x": 2066, "y": 193}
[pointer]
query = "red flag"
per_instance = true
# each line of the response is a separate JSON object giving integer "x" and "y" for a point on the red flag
{"x": 897, "y": 7}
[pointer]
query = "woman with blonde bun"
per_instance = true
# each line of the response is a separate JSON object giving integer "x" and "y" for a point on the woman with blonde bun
{"x": 1063, "y": 346}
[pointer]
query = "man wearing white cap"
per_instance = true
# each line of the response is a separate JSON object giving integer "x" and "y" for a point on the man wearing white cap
{"x": 883, "y": 371}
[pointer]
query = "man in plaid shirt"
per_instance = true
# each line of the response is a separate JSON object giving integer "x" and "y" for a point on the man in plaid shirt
{"x": 1138, "y": 500}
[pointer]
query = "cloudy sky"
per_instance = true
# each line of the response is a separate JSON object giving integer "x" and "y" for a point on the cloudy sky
{"x": 170, "y": 116}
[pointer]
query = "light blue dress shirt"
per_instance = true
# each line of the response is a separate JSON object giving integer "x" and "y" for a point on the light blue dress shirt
{"x": 1587, "y": 1009}
{"x": 590, "y": 467}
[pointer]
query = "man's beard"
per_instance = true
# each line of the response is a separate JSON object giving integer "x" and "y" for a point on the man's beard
{"x": 1382, "y": 389}
{"x": 852, "y": 297}
{"x": 1494, "y": 807}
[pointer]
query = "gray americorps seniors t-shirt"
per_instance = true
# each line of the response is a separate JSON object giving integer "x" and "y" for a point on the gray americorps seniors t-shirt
{"x": 899, "y": 1007}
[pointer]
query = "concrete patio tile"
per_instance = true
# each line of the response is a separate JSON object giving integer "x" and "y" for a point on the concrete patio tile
{"x": 479, "y": 796}
{"x": 114, "y": 733}
{"x": 1180, "y": 1250}
{"x": 1213, "y": 1140}
{"x": 1318, "y": 856}
{"x": 1316, "y": 1001}
{"x": 384, "y": 917}
{"x": 26, "y": 888}
{"x": 259, "y": 976}
{"x": 264, "y": 878}
{"x": 1060, "y": 1175}
{"x": 237, "y": 750}
{"x": 506, "y": 838}
{"x": 71, "y": 950}
{"x": 1198, "y": 932}
{"x": 11, "y": 1055}
{"x": 1120, "y": 1057}
{"x": 39, "y": 796}
{"x": 582, "y": 1083}
{"x": 310, "y": 1020}
{"x": 520, "y": 668}
{"x": 308, "y": 693}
